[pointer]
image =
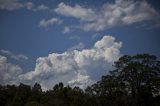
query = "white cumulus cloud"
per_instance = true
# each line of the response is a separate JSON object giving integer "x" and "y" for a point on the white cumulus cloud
{"x": 76, "y": 11}
{"x": 76, "y": 67}
{"x": 121, "y": 12}
{"x": 9, "y": 72}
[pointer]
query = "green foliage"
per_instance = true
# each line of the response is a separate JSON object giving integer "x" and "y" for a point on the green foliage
{"x": 134, "y": 82}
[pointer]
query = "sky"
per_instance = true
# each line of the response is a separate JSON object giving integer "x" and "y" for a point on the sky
{"x": 73, "y": 41}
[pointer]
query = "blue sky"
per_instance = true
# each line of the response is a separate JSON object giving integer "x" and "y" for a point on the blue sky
{"x": 35, "y": 34}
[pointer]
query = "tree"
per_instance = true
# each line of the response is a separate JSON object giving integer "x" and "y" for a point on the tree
{"x": 134, "y": 82}
{"x": 33, "y": 103}
{"x": 36, "y": 93}
{"x": 37, "y": 88}
{"x": 141, "y": 76}
{"x": 22, "y": 94}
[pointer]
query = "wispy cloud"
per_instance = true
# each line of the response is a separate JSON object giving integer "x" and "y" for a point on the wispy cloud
{"x": 14, "y": 56}
{"x": 41, "y": 7}
{"x": 17, "y": 4}
{"x": 10, "y": 4}
{"x": 95, "y": 35}
{"x": 66, "y": 29}
{"x": 79, "y": 46}
{"x": 122, "y": 12}
{"x": 52, "y": 21}
{"x": 75, "y": 37}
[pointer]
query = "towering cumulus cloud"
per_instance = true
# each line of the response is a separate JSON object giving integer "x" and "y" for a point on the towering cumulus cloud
{"x": 75, "y": 68}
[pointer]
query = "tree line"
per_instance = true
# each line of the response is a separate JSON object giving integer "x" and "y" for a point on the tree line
{"x": 134, "y": 82}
